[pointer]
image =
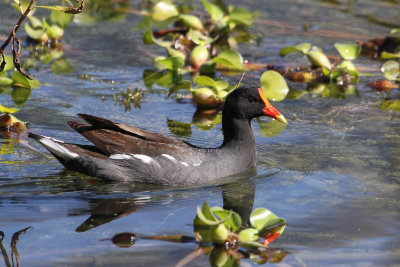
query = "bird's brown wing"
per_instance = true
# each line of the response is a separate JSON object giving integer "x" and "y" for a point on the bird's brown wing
{"x": 116, "y": 138}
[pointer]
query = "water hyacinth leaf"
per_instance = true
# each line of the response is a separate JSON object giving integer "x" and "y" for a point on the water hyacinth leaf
{"x": 391, "y": 69}
{"x": 274, "y": 85}
{"x": 319, "y": 59}
{"x": 262, "y": 219}
{"x": 231, "y": 59}
{"x": 206, "y": 81}
{"x": 394, "y": 31}
{"x": 272, "y": 128}
{"x": 150, "y": 77}
{"x": 55, "y": 32}
{"x": 170, "y": 63}
{"x": 164, "y": 10}
{"x": 191, "y": 21}
{"x": 387, "y": 55}
{"x": 175, "y": 53}
{"x": 5, "y": 81}
{"x": 241, "y": 16}
{"x": 348, "y": 51}
{"x": 303, "y": 47}
{"x": 34, "y": 22}
{"x": 63, "y": 20}
{"x": 166, "y": 41}
{"x": 200, "y": 39}
{"x": 347, "y": 64}
{"x": 148, "y": 37}
{"x": 64, "y": 9}
{"x": 207, "y": 68}
{"x": 61, "y": 66}
{"x": 9, "y": 63}
{"x": 4, "y": 109}
{"x": 222, "y": 85}
{"x": 205, "y": 98}
{"x": 249, "y": 234}
{"x": 232, "y": 219}
{"x": 220, "y": 234}
{"x": 169, "y": 79}
{"x": 20, "y": 95}
{"x": 21, "y": 81}
{"x": 205, "y": 217}
{"x": 198, "y": 56}
{"x": 216, "y": 13}
{"x": 34, "y": 33}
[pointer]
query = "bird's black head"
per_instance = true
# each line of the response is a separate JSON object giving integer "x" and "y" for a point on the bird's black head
{"x": 248, "y": 103}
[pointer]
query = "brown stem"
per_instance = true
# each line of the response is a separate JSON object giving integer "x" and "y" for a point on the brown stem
{"x": 17, "y": 25}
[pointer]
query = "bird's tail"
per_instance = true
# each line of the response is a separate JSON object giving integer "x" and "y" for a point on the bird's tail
{"x": 55, "y": 147}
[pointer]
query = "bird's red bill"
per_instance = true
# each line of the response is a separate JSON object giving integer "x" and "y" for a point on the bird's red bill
{"x": 269, "y": 110}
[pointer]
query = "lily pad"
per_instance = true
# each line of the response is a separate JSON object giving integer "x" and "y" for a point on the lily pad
{"x": 348, "y": 51}
{"x": 164, "y": 10}
{"x": 274, "y": 85}
{"x": 303, "y": 47}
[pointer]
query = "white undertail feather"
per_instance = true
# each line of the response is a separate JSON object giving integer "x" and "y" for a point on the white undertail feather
{"x": 54, "y": 146}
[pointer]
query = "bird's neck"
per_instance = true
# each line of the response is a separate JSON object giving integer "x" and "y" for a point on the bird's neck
{"x": 237, "y": 133}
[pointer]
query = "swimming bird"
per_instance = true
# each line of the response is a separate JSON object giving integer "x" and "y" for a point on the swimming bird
{"x": 121, "y": 152}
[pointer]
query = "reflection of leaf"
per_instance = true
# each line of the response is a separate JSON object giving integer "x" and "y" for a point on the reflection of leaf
{"x": 20, "y": 95}
{"x": 390, "y": 105}
{"x": 169, "y": 79}
{"x": 348, "y": 51}
{"x": 274, "y": 85}
{"x": 272, "y": 128}
{"x": 170, "y": 63}
{"x": 61, "y": 66}
{"x": 150, "y": 77}
{"x": 185, "y": 84}
{"x": 303, "y": 47}
{"x": 179, "y": 128}
{"x": 164, "y": 10}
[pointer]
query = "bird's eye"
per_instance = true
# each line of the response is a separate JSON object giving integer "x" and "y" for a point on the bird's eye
{"x": 252, "y": 99}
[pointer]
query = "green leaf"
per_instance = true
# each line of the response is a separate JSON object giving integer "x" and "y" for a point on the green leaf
{"x": 232, "y": 219}
{"x": 64, "y": 9}
{"x": 34, "y": 33}
{"x": 207, "y": 68}
{"x": 55, "y": 32}
{"x": 22, "y": 81}
{"x": 262, "y": 219}
{"x": 20, "y": 94}
{"x": 169, "y": 79}
{"x": 200, "y": 39}
{"x": 230, "y": 59}
{"x": 175, "y": 53}
{"x": 272, "y": 128}
{"x": 205, "y": 217}
{"x": 387, "y": 55}
{"x": 241, "y": 16}
{"x": 249, "y": 234}
{"x": 9, "y": 63}
{"x": 348, "y": 51}
{"x": 166, "y": 41}
{"x": 319, "y": 59}
{"x": 7, "y": 110}
{"x": 390, "y": 105}
{"x": 34, "y": 22}
{"x": 348, "y": 65}
{"x": 220, "y": 234}
{"x": 5, "y": 81}
{"x": 63, "y": 20}
{"x": 274, "y": 85}
{"x": 391, "y": 69}
{"x": 164, "y": 10}
{"x": 216, "y": 13}
{"x": 206, "y": 81}
{"x": 394, "y": 31}
{"x": 61, "y": 66}
{"x": 170, "y": 63}
{"x": 191, "y": 21}
{"x": 303, "y": 47}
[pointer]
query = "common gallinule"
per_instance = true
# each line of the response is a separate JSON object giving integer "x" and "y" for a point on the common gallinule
{"x": 125, "y": 153}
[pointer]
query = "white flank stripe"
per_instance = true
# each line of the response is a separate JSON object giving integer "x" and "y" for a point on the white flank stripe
{"x": 171, "y": 158}
{"x": 120, "y": 156}
{"x": 51, "y": 145}
{"x": 184, "y": 163}
{"x": 143, "y": 158}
